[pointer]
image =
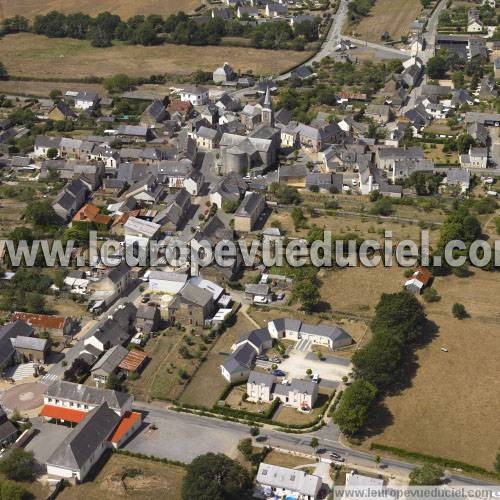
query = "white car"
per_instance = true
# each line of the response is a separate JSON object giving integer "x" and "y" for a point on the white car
{"x": 260, "y": 299}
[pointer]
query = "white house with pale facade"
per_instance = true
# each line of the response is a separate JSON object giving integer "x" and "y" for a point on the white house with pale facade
{"x": 328, "y": 335}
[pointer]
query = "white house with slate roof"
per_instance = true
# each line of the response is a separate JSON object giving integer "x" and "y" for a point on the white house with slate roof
{"x": 84, "y": 445}
{"x": 300, "y": 394}
{"x": 328, "y": 335}
{"x": 274, "y": 481}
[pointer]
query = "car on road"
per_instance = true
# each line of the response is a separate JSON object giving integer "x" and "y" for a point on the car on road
{"x": 337, "y": 457}
{"x": 260, "y": 439}
{"x": 278, "y": 373}
{"x": 145, "y": 298}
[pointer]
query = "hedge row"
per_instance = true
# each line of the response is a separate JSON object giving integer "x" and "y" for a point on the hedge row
{"x": 149, "y": 457}
{"x": 444, "y": 462}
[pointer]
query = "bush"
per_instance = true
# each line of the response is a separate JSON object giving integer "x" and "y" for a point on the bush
{"x": 430, "y": 295}
{"x": 459, "y": 311}
{"x": 18, "y": 465}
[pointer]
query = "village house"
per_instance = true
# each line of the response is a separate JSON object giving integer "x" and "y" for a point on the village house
{"x": 282, "y": 482}
{"x": 191, "y": 306}
{"x": 167, "y": 282}
{"x": 249, "y": 211}
{"x": 153, "y": 115}
{"x": 231, "y": 188}
{"x": 108, "y": 364}
{"x": 60, "y": 112}
{"x": 82, "y": 99}
{"x": 8, "y": 431}
{"x": 380, "y": 113}
{"x": 148, "y": 318}
{"x": 331, "y": 336}
{"x": 299, "y": 394}
{"x": 194, "y": 94}
{"x": 178, "y": 208}
{"x": 134, "y": 133}
{"x": 111, "y": 286}
{"x": 139, "y": 232}
{"x": 53, "y": 325}
{"x": 70, "y": 199}
{"x": 419, "y": 280}
{"x": 477, "y": 157}
{"x": 207, "y": 138}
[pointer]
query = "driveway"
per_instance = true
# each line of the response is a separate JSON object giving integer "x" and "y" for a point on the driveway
{"x": 330, "y": 369}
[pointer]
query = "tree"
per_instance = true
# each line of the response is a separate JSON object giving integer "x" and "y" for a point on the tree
{"x": 353, "y": 410}
{"x": 427, "y": 475}
{"x": 113, "y": 382}
{"x": 254, "y": 431}
{"x": 377, "y": 460}
{"x": 41, "y": 213}
{"x": 314, "y": 443}
{"x": 380, "y": 361}
{"x": 464, "y": 142}
{"x": 458, "y": 79}
{"x": 383, "y": 207}
{"x": 459, "y": 311}
{"x": 4, "y": 75}
{"x": 245, "y": 448}
{"x": 18, "y": 465}
{"x": 52, "y": 153}
{"x": 10, "y": 490}
{"x": 55, "y": 95}
{"x": 35, "y": 302}
{"x": 99, "y": 37}
{"x": 298, "y": 218}
{"x": 117, "y": 83}
{"x": 215, "y": 477}
{"x": 400, "y": 313}
{"x": 436, "y": 67}
{"x": 230, "y": 206}
{"x": 497, "y": 463}
{"x": 306, "y": 292}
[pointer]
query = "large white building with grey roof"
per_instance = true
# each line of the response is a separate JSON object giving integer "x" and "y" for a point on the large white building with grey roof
{"x": 282, "y": 482}
{"x": 328, "y": 335}
{"x": 84, "y": 445}
{"x": 300, "y": 394}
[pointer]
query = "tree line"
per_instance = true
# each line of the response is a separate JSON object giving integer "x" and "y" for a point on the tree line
{"x": 178, "y": 28}
{"x": 380, "y": 367}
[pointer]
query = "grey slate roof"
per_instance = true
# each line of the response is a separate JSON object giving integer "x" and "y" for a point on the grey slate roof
{"x": 331, "y": 331}
{"x": 196, "y": 295}
{"x": 240, "y": 360}
{"x": 259, "y": 378}
{"x": 33, "y": 343}
{"x": 79, "y": 445}
{"x": 10, "y": 331}
{"x": 248, "y": 205}
{"x": 110, "y": 360}
{"x": 61, "y": 389}
{"x": 256, "y": 337}
{"x": 291, "y": 324}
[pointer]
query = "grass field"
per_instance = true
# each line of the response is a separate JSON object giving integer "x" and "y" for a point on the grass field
{"x": 43, "y": 89}
{"x": 208, "y": 383}
{"x": 286, "y": 460}
{"x": 393, "y": 16}
{"x": 451, "y": 409}
{"x": 129, "y": 477}
{"x": 124, "y": 8}
{"x": 25, "y": 54}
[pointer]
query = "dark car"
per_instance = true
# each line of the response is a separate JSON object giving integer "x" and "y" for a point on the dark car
{"x": 278, "y": 373}
{"x": 259, "y": 439}
{"x": 263, "y": 357}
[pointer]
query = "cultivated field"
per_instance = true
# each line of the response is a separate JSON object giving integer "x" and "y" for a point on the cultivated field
{"x": 129, "y": 477}
{"x": 451, "y": 409}
{"x": 124, "y": 8}
{"x": 25, "y": 54}
{"x": 43, "y": 89}
{"x": 393, "y": 16}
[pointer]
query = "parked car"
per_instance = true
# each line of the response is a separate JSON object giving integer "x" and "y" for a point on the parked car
{"x": 263, "y": 357}
{"x": 145, "y": 298}
{"x": 278, "y": 373}
{"x": 280, "y": 296}
{"x": 337, "y": 457}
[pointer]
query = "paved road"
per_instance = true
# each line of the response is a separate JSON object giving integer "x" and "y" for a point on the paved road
{"x": 331, "y": 40}
{"x": 430, "y": 39}
{"x": 183, "y": 436}
{"x": 383, "y": 49}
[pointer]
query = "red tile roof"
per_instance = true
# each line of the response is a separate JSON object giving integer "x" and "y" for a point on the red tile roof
{"x": 133, "y": 360}
{"x": 40, "y": 320}
{"x": 423, "y": 275}
{"x": 66, "y": 414}
{"x": 127, "y": 421}
{"x": 91, "y": 213}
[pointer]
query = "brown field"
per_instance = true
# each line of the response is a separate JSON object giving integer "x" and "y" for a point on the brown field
{"x": 124, "y": 8}
{"x": 208, "y": 383}
{"x": 451, "y": 409}
{"x": 43, "y": 89}
{"x": 357, "y": 290}
{"x": 393, "y": 16}
{"x": 286, "y": 460}
{"x": 25, "y": 54}
{"x": 152, "y": 480}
